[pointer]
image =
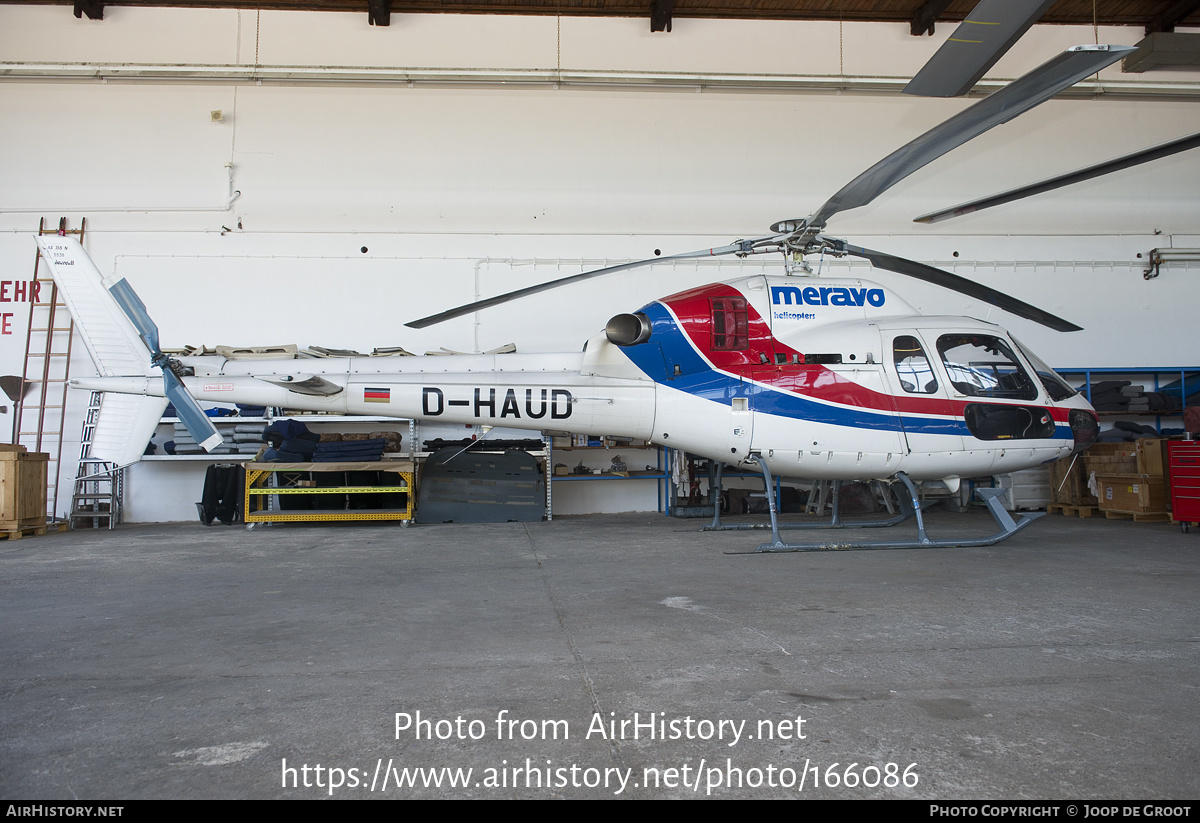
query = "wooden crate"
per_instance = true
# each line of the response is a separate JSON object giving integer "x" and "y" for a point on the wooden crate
{"x": 1068, "y": 483}
{"x": 1111, "y": 458}
{"x": 1151, "y": 456}
{"x": 1143, "y": 456}
{"x": 1132, "y": 493}
{"x": 22, "y": 488}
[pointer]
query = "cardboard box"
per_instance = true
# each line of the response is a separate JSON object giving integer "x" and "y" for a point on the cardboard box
{"x": 1132, "y": 493}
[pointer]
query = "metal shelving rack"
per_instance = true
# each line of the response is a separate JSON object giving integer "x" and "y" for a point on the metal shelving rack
{"x": 1172, "y": 372}
{"x": 660, "y": 475}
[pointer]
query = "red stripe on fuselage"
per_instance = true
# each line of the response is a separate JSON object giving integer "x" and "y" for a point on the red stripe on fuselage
{"x": 693, "y": 309}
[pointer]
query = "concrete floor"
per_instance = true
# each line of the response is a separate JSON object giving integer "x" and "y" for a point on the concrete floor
{"x": 178, "y": 661}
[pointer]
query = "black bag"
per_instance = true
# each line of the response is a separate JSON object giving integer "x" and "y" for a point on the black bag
{"x": 222, "y": 496}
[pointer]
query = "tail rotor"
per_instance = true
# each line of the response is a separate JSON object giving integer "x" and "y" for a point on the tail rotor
{"x": 189, "y": 411}
{"x": 118, "y": 331}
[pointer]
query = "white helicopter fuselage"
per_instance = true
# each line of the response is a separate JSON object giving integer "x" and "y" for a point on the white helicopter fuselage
{"x": 824, "y": 379}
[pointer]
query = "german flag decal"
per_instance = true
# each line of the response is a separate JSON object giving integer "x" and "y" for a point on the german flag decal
{"x": 377, "y": 395}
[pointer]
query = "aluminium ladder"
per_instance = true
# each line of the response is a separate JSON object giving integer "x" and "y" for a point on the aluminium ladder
{"x": 99, "y": 484}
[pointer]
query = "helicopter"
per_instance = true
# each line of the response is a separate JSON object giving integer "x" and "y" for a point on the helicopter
{"x": 820, "y": 378}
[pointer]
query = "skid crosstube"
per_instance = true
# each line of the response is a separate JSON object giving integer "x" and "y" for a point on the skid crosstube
{"x": 911, "y": 507}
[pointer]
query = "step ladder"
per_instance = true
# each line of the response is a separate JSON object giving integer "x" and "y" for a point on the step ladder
{"x": 41, "y": 397}
{"x": 99, "y": 484}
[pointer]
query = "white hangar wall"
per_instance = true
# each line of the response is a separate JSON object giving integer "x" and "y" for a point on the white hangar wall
{"x": 469, "y": 182}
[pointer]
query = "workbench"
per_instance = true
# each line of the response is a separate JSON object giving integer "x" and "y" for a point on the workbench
{"x": 265, "y": 481}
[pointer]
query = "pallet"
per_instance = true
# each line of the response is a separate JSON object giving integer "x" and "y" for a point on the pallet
{"x": 1139, "y": 517}
{"x": 10, "y": 532}
{"x": 17, "y": 534}
{"x": 1073, "y": 511}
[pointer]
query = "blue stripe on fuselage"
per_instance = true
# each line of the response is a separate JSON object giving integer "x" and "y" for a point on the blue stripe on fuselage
{"x": 668, "y": 348}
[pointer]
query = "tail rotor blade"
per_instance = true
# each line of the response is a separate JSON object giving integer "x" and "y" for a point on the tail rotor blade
{"x": 970, "y": 288}
{"x": 189, "y": 411}
{"x": 135, "y": 310}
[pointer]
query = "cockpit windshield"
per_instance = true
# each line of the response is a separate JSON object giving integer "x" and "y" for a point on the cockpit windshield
{"x": 1056, "y": 387}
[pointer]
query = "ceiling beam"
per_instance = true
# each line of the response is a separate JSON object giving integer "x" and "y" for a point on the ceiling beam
{"x": 660, "y": 14}
{"x": 1165, "y": 50}
{"x": 924, "y": 18}
{"x": 379, "y": 12}
{"x": 1172, "y": 16}
{"x": 94, "y": 9}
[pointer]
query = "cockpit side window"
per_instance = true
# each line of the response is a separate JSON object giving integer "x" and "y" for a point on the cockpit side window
{"x": 913, "y": 367}
{"x": 730, "y": 324}
{"x": 982, "y": 365}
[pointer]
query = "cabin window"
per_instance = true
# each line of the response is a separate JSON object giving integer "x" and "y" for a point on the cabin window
{"x": 981, "y": 365}
{"x": 730, "y": 324}
{"x": 913, "y": 367}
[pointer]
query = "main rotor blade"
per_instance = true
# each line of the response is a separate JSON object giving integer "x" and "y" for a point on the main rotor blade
{"x": 970, "y": 288}
{"x": 1098, "y": 170}
{"x": 189, "y": 411}
{"x": 979, "y": 41}
{"x": 999, "y": 107}
{"x": 487, "y": 303}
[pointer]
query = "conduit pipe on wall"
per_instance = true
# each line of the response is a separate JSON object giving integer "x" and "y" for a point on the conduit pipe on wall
{"x": 232, "y": 195}
{"x": 368, "y": 75}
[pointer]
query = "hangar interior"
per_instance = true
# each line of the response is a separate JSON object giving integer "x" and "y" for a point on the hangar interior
{"x": 268, "y": 176}
{"x": 321, "y": 173}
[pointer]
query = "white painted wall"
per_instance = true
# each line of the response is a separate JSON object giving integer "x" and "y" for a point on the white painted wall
{"x": 457, "y": 189}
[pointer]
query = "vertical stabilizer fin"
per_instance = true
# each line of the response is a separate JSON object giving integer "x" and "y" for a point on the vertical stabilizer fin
{"x": 118, "y": 332}
{"x": 126, "y": 424}
{"x": 111, "y": 340}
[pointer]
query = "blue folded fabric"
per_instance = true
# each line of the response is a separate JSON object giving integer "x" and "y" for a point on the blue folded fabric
{"x": 299, "y": 446}
{"x": 350, "y": 451}
{"x": 289, "y": 430}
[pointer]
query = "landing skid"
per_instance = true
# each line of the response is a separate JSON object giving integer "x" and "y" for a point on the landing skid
{"x": 835, "y": 521}
{"x": 990, "y": 497}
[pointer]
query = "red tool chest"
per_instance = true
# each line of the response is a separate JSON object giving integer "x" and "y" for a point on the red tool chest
{"x": 1183, "y": 466}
